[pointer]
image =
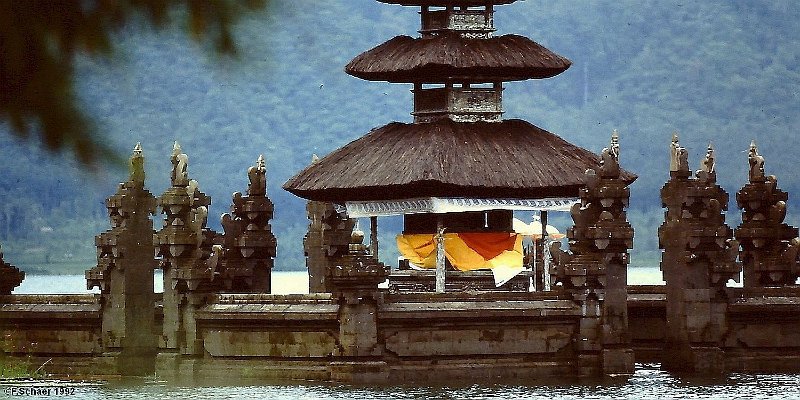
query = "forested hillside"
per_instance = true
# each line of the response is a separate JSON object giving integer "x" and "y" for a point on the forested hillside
{"x": 714, "y": 71}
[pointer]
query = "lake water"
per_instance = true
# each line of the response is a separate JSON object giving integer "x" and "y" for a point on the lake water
{"x": 283, "y": 282}
{"x": 647, "y": 383}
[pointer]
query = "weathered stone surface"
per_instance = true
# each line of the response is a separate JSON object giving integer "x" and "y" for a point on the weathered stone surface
{"x": 52, "y": 341}
{"x": 124, "y": 273}
{"x": 618, "y": 361}
{"x": 185, "y": 247}
{"x": 699, "y": 258}
{"x": 360, "y": 372}
{"x": 478, "y": 340}
{"x": 328, "y": 236}
{"x": 353, "y": 279}
{"x": 244, "y": 262}
{"x": 405, "y": 281}
{"x": 769, "y": 246}
{"x": 459, "y": 369}
{"x": 435, "y": 308}
{"x": 594, "y": 271}
{"x": 50, "y": 324}
{"x": 285, "y": 344}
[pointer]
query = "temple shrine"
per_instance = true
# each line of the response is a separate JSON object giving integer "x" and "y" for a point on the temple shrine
{"x": 459, "y": 171}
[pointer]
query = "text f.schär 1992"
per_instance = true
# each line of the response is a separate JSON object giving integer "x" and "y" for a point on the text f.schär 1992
{"x": 38, "y": 391}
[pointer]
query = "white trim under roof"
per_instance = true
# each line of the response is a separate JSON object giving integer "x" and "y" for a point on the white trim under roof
{"x": 439, "y": 205}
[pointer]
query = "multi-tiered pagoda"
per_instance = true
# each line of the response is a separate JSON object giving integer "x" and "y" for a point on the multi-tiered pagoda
{"x": 459, "y": 166}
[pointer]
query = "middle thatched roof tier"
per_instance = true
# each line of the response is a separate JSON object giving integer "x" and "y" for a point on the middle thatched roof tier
{"x": 451, "y": 57}
{"x": 508, "y": 159}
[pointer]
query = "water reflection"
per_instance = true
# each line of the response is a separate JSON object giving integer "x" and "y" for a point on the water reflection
{"x": 647, "y": 383}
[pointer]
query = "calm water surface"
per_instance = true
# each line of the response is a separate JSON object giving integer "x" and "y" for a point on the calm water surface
{"x": 648, "y": 383}
{"x": 283, "y": 282}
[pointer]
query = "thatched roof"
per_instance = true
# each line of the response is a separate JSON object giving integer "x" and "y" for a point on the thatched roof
{"x": 508, "y": 159}
{"x": 445, "y": 2}
{"x": 450, "y": 57}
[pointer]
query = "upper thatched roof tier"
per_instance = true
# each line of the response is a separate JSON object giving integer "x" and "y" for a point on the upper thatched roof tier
{"x": 443, "y": 3}
{"x": 508, "y": 159}
{"x": 451, "y": 57}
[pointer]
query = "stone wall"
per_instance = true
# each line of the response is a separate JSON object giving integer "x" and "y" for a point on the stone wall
{"x": 421, "y": 336}
{"x": 304, "y": 336}
{"x": 64, "y": 329}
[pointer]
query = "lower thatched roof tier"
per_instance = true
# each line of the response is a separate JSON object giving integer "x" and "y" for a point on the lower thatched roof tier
{"x": 450, "y": 57}
{"x": 508, "y": 159}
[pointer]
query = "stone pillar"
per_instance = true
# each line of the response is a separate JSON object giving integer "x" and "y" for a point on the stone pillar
{"x": 249, "y": 245}
{"x": 328, "y": 237}
{"x": 595, "y": 270}
{"x": 354, "y": 279}
{"x": 124, "y": 274}
{"x": 769, "y": 246}
{"x": 185, "y": 247}
{"x": 699, "y": 258}
{"x": 10, "y": 276}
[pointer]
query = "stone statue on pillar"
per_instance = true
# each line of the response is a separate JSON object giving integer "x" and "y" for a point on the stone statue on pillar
{"x": 699, "y": 259}
{"x": 185, "y": 247}
{"x": 594, "y": 271}
{"x": 124, "y": 273}
{"x": 769, "y": 246}
{"x": 329, "y": 234}
{"x": 249, "y": 244}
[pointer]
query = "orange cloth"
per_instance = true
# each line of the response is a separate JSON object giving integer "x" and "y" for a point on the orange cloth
{"x": 489, "y": 245}
{"x": 493, "y": 250}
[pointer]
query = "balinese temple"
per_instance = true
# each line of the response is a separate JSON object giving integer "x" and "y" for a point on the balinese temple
{"x": 459, "y": 168}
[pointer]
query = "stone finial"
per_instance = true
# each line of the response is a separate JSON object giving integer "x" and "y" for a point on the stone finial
{"x": 609, "y": 157}
{"x": 707, "y": 173}
{"x": 258, "y": 178}
{"x": 357, "y": 237}
{"x": 180, "y": 164}
{"x": 679, "y": 157}
{"x": 314, "y": 159}
{"x": 136, "y": 165}
{"x": 756, "y": 164}
{"x": 708, "y": 162}
{"x": 357, "y": 241}
{"x": 769, "y": 251}
{"x": 674, "y": 151}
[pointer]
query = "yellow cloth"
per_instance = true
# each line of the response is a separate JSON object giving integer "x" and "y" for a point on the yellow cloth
{"x": 420, "y": 249}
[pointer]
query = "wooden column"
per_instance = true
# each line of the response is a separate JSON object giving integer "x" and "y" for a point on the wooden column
{"x": 440, "y": 271}
{"x": 545, "y": 252}
{"x": 373, "y": 236}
